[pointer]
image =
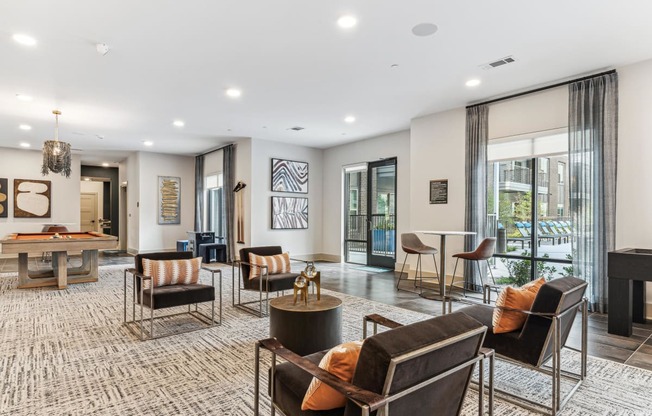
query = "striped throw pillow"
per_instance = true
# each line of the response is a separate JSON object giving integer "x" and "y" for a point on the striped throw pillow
{"x": 276, "y": 264}
{"x": 172, "y": 272}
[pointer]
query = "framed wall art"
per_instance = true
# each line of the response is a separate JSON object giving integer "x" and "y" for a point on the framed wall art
{"x": 4, "y": 195}
{"x": 289, "y": 176}
{"x": 289, "y": 213}
{"x": 32, "y": 198}
{"x": 439, "y": 191}
{"x": 169, "y": 200}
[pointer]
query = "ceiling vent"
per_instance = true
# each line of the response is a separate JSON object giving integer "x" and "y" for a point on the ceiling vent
{"x": 495, "y": 64}
{"x": 296, "y": 128}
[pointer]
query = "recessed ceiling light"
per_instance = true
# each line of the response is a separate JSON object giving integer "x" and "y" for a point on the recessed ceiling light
{"x": 233, "y": 92}
{"x": 349, "y": 119}
{"x": 24, "y": 144}
{"x": 179, "y": 123}
{"x": 23, "y": 97}
{"x": 424, "y": 29}
{"x": 148, "y": 143}
{"x": 473, "y": 82}
{"x": 347, "y": 21}
{"x": 25, "y": 127}
{"x": 105, "y": 164}
{"x": 393, "y": 66}
{"x": 24, "y": 39}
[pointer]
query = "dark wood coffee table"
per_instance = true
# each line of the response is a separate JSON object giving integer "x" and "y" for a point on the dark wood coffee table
{"x": 305, "y": 329}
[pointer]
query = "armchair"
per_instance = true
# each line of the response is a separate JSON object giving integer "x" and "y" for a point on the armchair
{"x": 542, "y": 337}
{"x": 419, "y": 369}
{"x": 263, "y": 284}
{"x": 161, "y": 297}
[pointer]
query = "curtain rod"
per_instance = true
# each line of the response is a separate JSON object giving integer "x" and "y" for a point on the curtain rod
{"x": 559, "y": 84}
{"x": 214, "y": 150}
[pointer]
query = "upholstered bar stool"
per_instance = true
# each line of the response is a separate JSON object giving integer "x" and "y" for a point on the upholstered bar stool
{"x": 484, "y": 251}
{"x": 411, "y": 244}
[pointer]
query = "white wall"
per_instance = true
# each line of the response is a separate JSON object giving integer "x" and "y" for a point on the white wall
{"x": 64, "y": 193}
{"x": 634, "y": 199}
{"x": 133, "y": 198}
{"x": 95, "y": 187}
{"x": 336, "y": 158}
{"x": 153, "y": 236}
{"x": 296, "y": 242}
{"x": 437, "y": 152}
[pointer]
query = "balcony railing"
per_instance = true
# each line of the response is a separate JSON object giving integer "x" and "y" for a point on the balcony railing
{"x": 522, "y": 175}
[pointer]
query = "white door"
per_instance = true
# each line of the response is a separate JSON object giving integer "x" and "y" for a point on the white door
{"x": 88, "y": 215}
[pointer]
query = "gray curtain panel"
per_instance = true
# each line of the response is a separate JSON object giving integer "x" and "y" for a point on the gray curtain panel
{"x": 229, "y": 201}
{"x": 593, "y": 144}
{"x": 475, "y": 218}
{"x": 199, "y": 193}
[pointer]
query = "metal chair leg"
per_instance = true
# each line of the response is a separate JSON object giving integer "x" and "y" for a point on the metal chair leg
{"x": 450, "y": 289}
{"x": 401, "y": 274}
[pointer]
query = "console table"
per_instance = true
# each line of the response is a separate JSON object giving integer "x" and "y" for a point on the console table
{"x": 628, "y": 270}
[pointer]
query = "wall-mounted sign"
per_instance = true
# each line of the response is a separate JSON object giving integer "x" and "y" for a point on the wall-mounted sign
{"x": 439, "y": 191}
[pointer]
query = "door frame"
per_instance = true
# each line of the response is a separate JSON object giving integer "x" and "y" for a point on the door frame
{"x": 94, "y": 221}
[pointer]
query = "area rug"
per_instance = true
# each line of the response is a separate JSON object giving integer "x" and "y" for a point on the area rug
{"x": 66, "y": 352}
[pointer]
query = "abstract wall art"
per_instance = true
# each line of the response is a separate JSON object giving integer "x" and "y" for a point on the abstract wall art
{"x": 169, "y": 200}
{"x": 289, "y": 213}
{"x": 4, "y": 193}
{"x": 31, "y": 198}
{"x": 289, "y": 176}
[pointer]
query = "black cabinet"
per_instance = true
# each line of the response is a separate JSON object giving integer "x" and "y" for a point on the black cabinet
{"x": 197, "y": 238}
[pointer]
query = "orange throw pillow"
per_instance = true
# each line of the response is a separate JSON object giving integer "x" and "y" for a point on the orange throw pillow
{"x": 508, "y": 321}
{"x": 279, "y": 263}
{"x": 535, "y": 285}
{"x": 339, "y": 361}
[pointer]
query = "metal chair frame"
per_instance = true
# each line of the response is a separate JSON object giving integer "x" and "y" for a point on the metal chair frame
{"x": 259, "y": 312}
{"x": 418, "y": 272}
{"x": 486, "y": 288}
{"x": 369, "y": 401}
{"x": 137, "y": 327}
{"x": 554, "y": 370}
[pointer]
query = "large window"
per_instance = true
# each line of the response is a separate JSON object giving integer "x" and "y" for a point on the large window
{"x": 526, "y": 201}
{"x": 215, "y": 214}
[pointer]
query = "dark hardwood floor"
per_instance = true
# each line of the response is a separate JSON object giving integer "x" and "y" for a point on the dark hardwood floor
{"x": 380, "y": 286}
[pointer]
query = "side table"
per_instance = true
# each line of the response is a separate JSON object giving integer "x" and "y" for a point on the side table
{"x": 305, "y": 329}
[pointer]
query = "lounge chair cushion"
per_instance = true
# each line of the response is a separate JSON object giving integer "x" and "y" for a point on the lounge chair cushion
{"x": 276, "y": 264}
{"x": 178, "y": 295}
{"x": 172, "y": 272}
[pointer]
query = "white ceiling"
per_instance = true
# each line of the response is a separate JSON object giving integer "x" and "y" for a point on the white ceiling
{"x": 173, "y": 59}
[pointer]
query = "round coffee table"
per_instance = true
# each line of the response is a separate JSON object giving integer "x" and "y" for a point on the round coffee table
{"x": 305, "y": 329}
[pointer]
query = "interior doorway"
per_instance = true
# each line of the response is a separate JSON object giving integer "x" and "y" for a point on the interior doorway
{"x": 370, "y": 213}
{"x": 88, "y": 212}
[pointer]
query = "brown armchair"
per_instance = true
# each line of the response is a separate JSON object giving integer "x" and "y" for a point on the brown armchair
{"x": 162, "y": 297}
{"x": 418, "y": 369}
{"x": 542, "y": 337}
{"x": 264, "y": 284}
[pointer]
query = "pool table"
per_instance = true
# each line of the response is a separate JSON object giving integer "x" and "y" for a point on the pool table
{"x": 60, "y": 244}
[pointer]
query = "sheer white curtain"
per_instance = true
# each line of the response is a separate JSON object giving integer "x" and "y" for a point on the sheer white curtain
{"x": 593, "y": 144}
{"x": 475, "y": 218}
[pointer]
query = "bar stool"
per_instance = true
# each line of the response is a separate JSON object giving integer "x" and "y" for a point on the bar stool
{"x": 411, "y": 244}
{"x": 484, "y": 251}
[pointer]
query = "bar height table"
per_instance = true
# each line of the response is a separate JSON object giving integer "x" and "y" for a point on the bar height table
{"x": 442, "y": 261}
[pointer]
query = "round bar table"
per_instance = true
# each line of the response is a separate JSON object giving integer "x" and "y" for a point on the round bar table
{"x": 442, "y": 262}
{"x": 305, "y": 329}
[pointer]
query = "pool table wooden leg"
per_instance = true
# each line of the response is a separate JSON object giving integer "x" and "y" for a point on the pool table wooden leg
{"x": 23, "y": 271}
{"x": 61, "y": 260}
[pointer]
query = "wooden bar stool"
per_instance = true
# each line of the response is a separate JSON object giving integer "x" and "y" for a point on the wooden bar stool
{"x": 411, "y": 244}
{"x": 484, "y": 251}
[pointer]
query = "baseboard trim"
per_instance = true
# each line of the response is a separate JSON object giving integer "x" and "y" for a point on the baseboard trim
{"x": 648, "y": 311}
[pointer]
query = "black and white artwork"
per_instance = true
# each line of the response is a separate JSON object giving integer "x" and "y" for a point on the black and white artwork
{"x": 289, "y": 176}
{"x": 289, "y": 213}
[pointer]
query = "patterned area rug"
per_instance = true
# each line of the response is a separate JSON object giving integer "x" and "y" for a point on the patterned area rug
{"x": 67, "y": 353}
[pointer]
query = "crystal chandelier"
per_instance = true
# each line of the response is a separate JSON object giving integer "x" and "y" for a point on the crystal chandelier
{"x": 56, "y": 155}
